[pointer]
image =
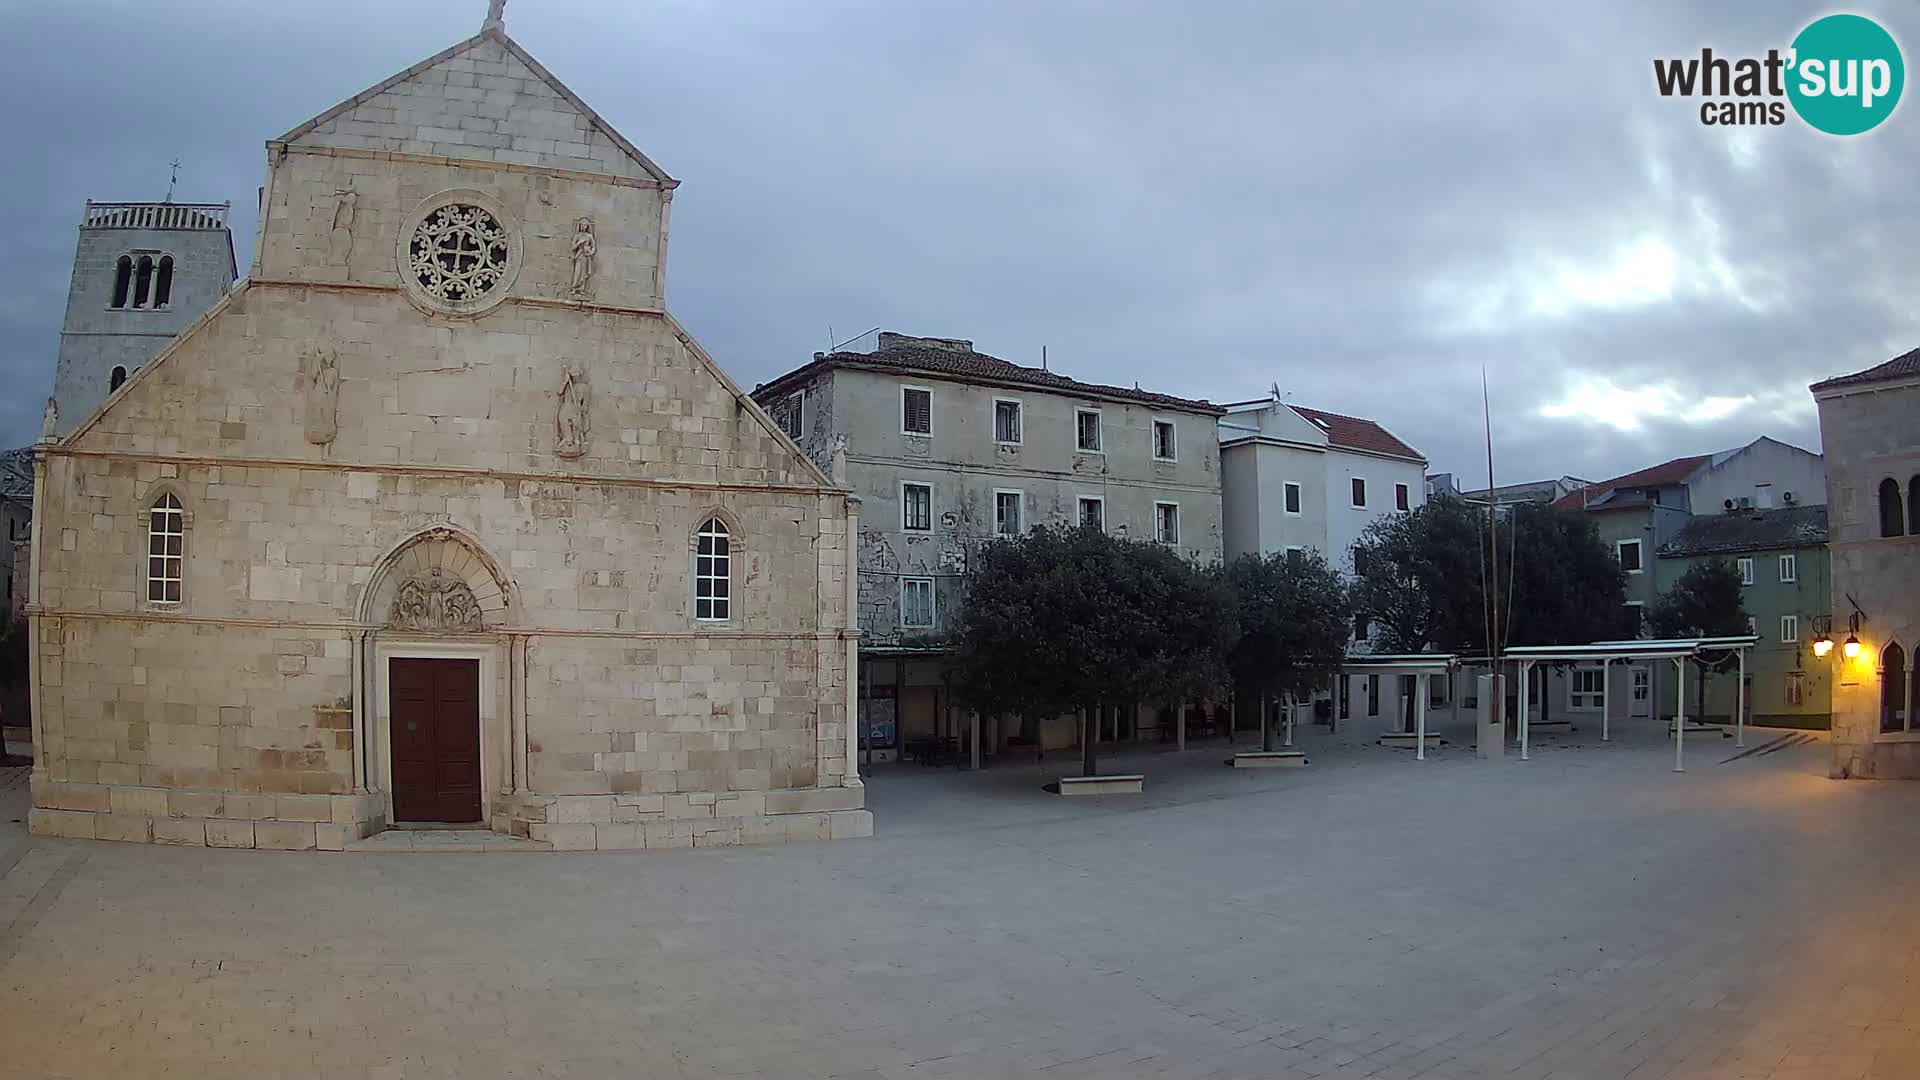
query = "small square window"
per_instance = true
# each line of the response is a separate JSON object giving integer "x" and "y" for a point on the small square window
{"x": 916, "y": 411}
{"x": 1086, "y": 424}
{"x": 1789, "y": 569}
{"x": 1166, "y": 522}
{"x": 1006, "y": 513}
{"x": 916, "y": 602}
{"x": 1629, "y": 554}
{"x": 1359, "y": 492}
{"x": 1402, "y": 497}
{"x": 1163, "y": 440}
{"x": 916, "y": 507}
{"x": 1093, "y": 513}
{"x": 1292, "y": 491}
{"x": 1746, "y": 571}
{"x": 1006, "y": 421}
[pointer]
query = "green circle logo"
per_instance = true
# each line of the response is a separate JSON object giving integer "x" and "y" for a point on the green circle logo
{"x": 1846, "y": 74}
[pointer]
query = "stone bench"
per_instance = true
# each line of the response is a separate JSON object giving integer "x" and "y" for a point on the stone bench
{"x": 1269, "y": 759}
{"x": 1118, "y": 784}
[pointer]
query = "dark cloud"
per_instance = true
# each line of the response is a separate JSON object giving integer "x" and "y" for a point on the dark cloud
{"x": 1365, "y": 204}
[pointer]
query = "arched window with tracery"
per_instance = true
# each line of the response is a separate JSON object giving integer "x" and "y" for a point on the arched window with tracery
{"x": 1891, "y": 516}
{"x": 122, "y": 281}
{"x": 712, "y": 572}
{"x": 166, "y": 540}
{"x": 1893, "y": 689}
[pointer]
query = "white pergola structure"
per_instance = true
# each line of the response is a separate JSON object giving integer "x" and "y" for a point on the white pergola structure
{"x": 1422, "y": 666}
{"x": 1679, "y": 650}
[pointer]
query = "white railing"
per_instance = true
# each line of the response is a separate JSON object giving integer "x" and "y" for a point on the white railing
{"x": 155, "y": 215}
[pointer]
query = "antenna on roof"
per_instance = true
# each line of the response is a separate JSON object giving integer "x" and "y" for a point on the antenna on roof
{"x": 1275, "y": 390}
{"x": 1043, "y": 358}
{"x": 829, "y": 337}
{"x": 172, "y": 177}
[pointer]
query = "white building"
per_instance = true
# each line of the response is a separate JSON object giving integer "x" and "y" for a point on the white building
{"x": 1298, "y": 478}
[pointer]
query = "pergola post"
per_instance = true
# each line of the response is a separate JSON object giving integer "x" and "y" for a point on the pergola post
{"x": 976, "y": 740}
{"x": 1287, "y": 732}
{"x": 1740, "y": 703}
{"x": 1680, "y": 714}
{"x": 1420, "y": 716}
{"x": 1606, "y": 673}
{"x": 1526, "y": 686}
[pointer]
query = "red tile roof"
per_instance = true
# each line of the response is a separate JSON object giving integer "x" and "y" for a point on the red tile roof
{"x": 1662, "y": 475}
{"x": 1353, "y": 433}
{"x": 1904, "y": 366}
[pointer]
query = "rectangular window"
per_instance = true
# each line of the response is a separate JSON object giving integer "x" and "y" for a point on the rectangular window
{"x": 166, "y": 534}
{"x": 1359, "y": 561}
{"x": 1636, "y": 617}
{"x": 1588, "y": 686}
{"x": 916, "y": 411}
{"x": 1789, "y": 628}
{"x": 1628, "y": 552}
{"x": 1373, "y": 695}
{"x": 1789, "y": 569}
{"x": 1163, "y": 440}
{"x": 792, "y": 415}
{"x": 1642, "y": 683}
{"x": 916, "y": 507}
{"x": 1006, "y": 513}
{"x": 1359, "y": 493}
{"x": 1086, "y": 426}
{"x": 1401, "y": 497}
{"x": 1360, "y": 628}
{"x": 1746, "y": 570}
{"x": 916, "y": 602}
{"x": 1296, "y": 555}
{"x": 1093, "y": 512}
{"x": 1166, "y": 522}
{"x": 1006, "y": 421}
{"x": 1292, "y": 497}
{"x": 1796, "y": 692}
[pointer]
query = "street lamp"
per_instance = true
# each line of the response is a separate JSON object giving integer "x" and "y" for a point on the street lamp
{"x": 1851, "y": 647}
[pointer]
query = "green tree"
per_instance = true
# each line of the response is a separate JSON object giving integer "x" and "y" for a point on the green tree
{"x": 1422, "y": 578}
{"x": 1567, "y": 586}
{"x": 1293, "y": 619}
{"x": 1707, "y": 601}
{"x": 1066, "y": 620}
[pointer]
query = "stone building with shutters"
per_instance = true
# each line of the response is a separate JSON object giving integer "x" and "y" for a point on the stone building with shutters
{"x": 440, "y": 517}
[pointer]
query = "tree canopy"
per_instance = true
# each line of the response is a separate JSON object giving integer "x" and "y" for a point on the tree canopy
{"x": 1060, "y": 620}
{"x": 1293, "y": 624}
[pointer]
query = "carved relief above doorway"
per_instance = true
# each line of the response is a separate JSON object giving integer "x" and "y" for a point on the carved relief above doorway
{"x": 435, "y": 603}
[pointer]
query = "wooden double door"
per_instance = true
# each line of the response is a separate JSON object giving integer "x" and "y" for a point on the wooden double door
{"x": 435, "y": 739}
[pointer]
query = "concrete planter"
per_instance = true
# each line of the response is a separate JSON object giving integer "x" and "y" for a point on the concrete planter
{"x": 1409, "y": 740}
{"x": 1269, "y": 759}
{"x": 1124, "y": 784}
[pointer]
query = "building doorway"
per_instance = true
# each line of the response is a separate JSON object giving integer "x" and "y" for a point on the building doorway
{"x": 1640, "y": 701}
{"x": 434, "y": 739}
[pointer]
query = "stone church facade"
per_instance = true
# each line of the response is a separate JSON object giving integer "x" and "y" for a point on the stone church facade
{"x": 441, "y": 517}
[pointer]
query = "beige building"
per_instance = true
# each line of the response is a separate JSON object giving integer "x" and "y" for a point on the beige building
{"x": 1869, "y": 430}
{"x": 441, "y": 517}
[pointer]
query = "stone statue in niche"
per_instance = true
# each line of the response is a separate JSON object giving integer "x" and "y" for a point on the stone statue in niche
{"x": 570, "y": 421}
{"x": 838, "y": 471}
{"x": 340, "y": 241}
{"x": 49, "y": 420}
{"x": 583, "y": 258}
{"x": 319, "y": 384}
{"x": 435, "y": 603}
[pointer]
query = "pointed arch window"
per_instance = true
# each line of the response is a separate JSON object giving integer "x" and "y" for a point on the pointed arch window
{"x": 712, "y": 572}
{"x": 1894, "y": 715}
{"x": 166, "y": 539}
{"x": 119, "y": 376}
{"x": 1891, "y": 515}
{"x": 122, "y": 281}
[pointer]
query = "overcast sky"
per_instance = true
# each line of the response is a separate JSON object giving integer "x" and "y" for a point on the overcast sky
{"x": 1363, "y": 203}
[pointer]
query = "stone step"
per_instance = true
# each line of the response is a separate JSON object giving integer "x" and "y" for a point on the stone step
{"x": 429, "y": 840}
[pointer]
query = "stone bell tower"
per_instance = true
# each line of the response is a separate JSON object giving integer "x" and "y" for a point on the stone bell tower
{"x": 142, "y": 272}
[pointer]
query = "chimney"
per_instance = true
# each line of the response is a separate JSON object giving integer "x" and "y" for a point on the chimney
{"x": 891, "y": 340}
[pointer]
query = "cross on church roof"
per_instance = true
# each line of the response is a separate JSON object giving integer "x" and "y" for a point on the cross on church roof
{"x": 496, "y": 16}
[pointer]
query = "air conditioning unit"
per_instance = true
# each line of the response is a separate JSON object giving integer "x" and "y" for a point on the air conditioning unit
{"x": 1787, "y": 497}
{"x": 1727, "y": 505}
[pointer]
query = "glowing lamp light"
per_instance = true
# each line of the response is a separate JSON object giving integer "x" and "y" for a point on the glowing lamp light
{"x": 1851, "y": 647}
{"x": 1822, "y": 646}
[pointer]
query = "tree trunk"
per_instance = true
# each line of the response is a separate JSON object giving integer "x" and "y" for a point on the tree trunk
{"x": 1266, "y": 723}
{"x": 1089, "y": 729}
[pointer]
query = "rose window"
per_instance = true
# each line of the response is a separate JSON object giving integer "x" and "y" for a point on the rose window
{"x": 458, "y": 254}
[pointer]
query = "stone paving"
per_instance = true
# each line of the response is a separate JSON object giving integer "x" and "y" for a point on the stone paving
{"x": 1587, "y": 914}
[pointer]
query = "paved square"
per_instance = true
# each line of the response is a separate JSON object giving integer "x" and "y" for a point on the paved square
{"x": 1586, "y": 914}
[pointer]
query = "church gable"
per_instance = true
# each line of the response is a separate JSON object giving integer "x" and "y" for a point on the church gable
{"x": 484, "y": 99}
